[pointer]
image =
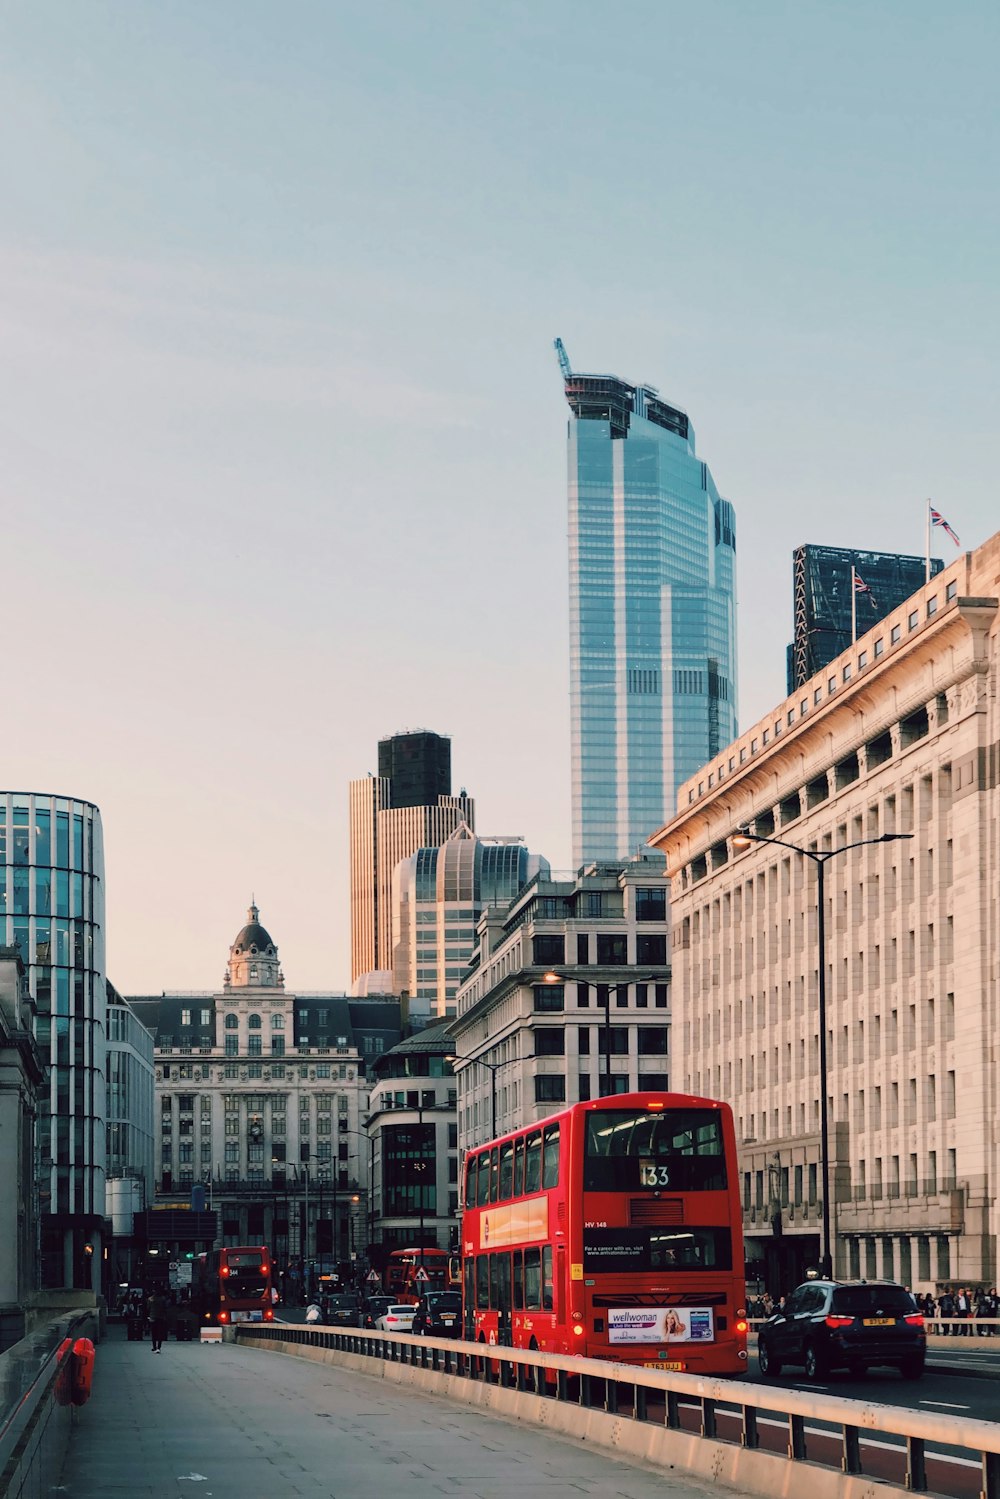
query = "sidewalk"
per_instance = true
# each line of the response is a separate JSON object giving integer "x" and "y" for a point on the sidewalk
{"x": 213, "y": 1421}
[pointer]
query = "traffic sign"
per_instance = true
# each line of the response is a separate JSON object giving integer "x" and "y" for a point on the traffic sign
{"x": 373, "y": 1276}
{"x": 421, "y": 1275}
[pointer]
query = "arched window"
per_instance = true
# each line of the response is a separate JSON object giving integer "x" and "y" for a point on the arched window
{"x": 232, "y": 1022}
{"x": 277, "y": 1022}
{"x": 254, "y": 1022}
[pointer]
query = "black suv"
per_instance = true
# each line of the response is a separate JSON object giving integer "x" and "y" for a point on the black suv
{"x": 844, "y": 1324}
{"x": 439, "y": 1314}
{"x": 341, "y": 1311}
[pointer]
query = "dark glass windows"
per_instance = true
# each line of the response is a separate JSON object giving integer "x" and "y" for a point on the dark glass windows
{"x": 651, "y": 1150}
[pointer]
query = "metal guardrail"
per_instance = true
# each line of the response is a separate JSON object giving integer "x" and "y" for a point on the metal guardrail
{"x": 626, "y": 1390}
{"x": 29, "y": 1372}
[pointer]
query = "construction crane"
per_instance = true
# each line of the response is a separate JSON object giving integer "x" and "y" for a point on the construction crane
{"x": 563, "y": 357}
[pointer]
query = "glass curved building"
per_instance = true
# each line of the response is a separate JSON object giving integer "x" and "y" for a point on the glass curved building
{"x": 52, "y": 908}
{"x": 652, "y": 613}
{"x": 439, "y": 895}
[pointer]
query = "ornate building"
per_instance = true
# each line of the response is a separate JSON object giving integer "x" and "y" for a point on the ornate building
{"x": 261, "y": 1096}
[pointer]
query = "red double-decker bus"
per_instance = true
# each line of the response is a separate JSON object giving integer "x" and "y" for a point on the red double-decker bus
{"x": 412, "y": 1270}
{"x": 612, "y": 1230}
{"x": 234, "y": 1285}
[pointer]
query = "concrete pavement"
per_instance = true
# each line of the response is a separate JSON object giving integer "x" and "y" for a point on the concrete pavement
{"x": 213, "y": 1421}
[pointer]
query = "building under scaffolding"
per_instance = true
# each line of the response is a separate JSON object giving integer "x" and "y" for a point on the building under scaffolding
{"x": 823, "y": 593}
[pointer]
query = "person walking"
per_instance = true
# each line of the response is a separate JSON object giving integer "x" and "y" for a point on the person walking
{"x": 156, "y": 1308}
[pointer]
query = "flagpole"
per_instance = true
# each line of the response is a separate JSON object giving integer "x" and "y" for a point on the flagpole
{"x": 854, "y": 606}
{"x": 927, "y": 544}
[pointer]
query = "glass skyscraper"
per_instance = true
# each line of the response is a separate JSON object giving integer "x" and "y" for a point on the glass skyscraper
{"x": 652, "y": 586}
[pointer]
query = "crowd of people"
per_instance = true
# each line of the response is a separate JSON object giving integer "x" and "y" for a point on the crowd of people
{"x": 961, "y": 1303}
{"x": 159, "y": 1313}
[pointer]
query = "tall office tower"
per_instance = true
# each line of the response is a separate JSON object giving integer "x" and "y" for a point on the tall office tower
{"x": 823, "y": 595}
{"x": 438, "y": 895}
{"x": 652, "y": 612}
{"x": 388, "y": 823}
{"x": 52, "y": 851}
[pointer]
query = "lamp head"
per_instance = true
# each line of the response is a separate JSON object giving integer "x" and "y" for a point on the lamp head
{"x": 743, "y": 838}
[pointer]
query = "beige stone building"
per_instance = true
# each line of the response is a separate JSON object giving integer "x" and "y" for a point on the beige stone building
{"x": 899, "y": 735}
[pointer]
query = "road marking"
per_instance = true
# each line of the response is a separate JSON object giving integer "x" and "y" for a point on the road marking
{"x": 947, "y": 1405}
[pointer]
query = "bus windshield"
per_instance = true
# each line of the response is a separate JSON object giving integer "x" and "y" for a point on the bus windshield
{"x": 632, "y": 1150}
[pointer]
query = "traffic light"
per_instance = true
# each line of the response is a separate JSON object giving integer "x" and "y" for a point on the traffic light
{"x": 189, "y": 1254}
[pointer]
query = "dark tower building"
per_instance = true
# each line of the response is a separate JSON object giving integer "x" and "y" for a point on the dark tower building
{"x": 823, "y": 599}
{"x": 418, "y": 765}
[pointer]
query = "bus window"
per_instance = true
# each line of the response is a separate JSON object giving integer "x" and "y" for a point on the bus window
{"x": 550, "y": 1176}
{"x": 482, "y": 1281}
{"x": 533, "y": 1162}
{"x": 518, "y": 1281}
{"x": 532, "y": 1280}
{"x": 470, "y": 1282}
{"x": 519, "y": 1167}
{"x": 501, "y": 1297}
{"x": 506, "y": 1170}
{"x": 547, "y": 1278}
{"x": 494, "y": 1173}
{"x": 483, "y": 1180}
{"x": 471, "y": 1172}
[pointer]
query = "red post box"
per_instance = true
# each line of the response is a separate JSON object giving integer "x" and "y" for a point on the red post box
{"x": 83, "y": 1370}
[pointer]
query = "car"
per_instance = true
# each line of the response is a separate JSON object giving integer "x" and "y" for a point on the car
{"x": 341, "y": 1311}
{"x": 374, "y": 1307}
{"x": 396, "y": 1318}
{"x": 438, "y": 1314}
{"x": 844, "y": 1324}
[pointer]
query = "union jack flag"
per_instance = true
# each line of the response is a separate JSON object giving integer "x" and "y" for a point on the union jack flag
{"x": 937, "y": 519}
{"x": 860, "y": 586}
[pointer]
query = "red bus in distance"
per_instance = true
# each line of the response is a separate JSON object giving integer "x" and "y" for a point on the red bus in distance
{"x": 234, "y": 1285}
{"x": 412, "y": 1271}
{"x": 612, "y": 1230}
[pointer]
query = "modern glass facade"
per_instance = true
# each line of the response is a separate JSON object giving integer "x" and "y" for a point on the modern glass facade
{"x": 438, "y": 897}
{"x": 652, "y": 613}
{"x": 52, "y": 908}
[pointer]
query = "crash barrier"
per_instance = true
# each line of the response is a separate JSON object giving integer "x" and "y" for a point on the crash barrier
{"x": 750, "y": 1437}
{"x": 42, "y": 1379}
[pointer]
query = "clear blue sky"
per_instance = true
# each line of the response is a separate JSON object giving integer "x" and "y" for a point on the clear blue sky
{"x": 283, "y": 432}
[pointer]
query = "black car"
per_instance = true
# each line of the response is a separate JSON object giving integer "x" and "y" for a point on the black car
{"x": 844, "y": 1324}
{"x": 374, "y": 1307}
{"x": 341, "y": 1311}
{"x": 439, "y": 1314}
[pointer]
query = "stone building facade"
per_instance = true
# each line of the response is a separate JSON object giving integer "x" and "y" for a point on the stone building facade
{"x": 525, "y": 1046}
{"x": 261, "y": 1099}
{"x": 900, "y": 735}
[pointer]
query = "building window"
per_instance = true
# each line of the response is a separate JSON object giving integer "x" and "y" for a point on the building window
{"x": 549, "y": 997}
{"x": 912, "y": 619}
{"x": 547, "y": 950}
{"x": 846, "y": 673}
{"x": 550, "y": 1089}
{"x": 931, "y": 606}
{"x": 895, "y": 634}
{"x": 879, "y": 647}
{"x": 831, "y": 685}
{"x": 951, "y": 591}
{"x": 277, "y": 1022}
{"x": 185, "y": 1017}
{"x": 206, "y": 1018}
{"x": 550, "y": 1042}
{"x": 650, "y": 948}
{"x": 254, "y": 1022}
{"x": 232, "y": 1047}
{"x": 862, "y": 660}
{"x": 277, "y": 1046}
{"x": 232, "y": 1022}
{"x": 651, "y": 903}
{"x": 253, "y": 1046}
{"x": 611, "y": 948}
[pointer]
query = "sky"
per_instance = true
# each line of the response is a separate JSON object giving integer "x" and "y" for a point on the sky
{"x": 283, "y": 431}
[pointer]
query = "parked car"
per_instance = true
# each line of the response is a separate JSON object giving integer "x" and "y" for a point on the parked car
{"x": 374, "y": 1307}
{"x": 341, "y": 1311}
{"x": 847, "y": 1324}
{"x": 438, "y": 1314}
{"x": 396, "y": 1318}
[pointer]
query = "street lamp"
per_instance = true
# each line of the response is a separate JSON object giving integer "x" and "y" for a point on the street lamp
{"x": 820, "y": 857}
{"x": 494, "y": 1068}
{"x": 554, "y": 977}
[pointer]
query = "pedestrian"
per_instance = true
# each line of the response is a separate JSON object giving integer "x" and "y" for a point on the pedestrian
{"x": 963, "y": 1307}
{"x": 156, "y": 1309}
{"x": 946, "y": 1307}
{"x": 929, "y": 1309}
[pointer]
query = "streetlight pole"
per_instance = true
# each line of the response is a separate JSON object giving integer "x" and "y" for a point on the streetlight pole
{"x": 494, "y": 1068}
{"x": 820, "y": 857}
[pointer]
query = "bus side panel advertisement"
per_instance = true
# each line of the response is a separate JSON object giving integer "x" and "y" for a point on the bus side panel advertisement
{"x": 660, "y": 1324}
{"x": 520, "y": 1223}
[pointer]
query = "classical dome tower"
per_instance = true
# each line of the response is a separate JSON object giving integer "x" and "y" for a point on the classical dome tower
{"x": 253, "y": 958}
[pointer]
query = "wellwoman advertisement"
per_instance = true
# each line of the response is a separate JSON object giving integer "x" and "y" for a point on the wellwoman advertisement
{"x": 660, "y": 1324}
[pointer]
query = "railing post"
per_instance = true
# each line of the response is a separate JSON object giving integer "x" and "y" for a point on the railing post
{"x": 797, "y": 1438}
{"x": 707, "y": 1417}
{"x": 585, "y": 1389}
{"x": 562, "y": 1385}
{"x": 639, "y": 1403}
{"x": 672, "y": 1415}
{"x": 850, "y": 1459}
{"x": 916, "y": 1466}
{"x": 750, "y": 1437}
{"x": 611, "y": 1397}
{"x": 991, "y": 1475}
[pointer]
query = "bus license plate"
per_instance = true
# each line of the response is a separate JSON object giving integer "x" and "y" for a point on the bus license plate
{"x": 662, "y": 1364}
{"x": 879, "y": 1322}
